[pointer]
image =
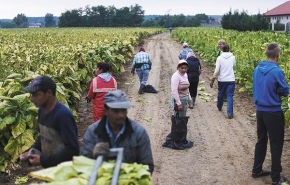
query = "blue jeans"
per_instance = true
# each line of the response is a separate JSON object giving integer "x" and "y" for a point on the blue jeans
{"x": 143, "y": 76}
{"x": 229, "y": 89}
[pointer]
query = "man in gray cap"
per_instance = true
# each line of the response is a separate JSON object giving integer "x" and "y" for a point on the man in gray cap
{"x": 184, "y": 52}
{"x": 116, "y": 130}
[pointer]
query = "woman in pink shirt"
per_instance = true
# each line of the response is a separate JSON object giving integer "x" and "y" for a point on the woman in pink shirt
{"x": 180, "y": 95}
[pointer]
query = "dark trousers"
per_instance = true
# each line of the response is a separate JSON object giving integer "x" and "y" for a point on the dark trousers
{"x": 193, "y": 88}
{"x": 272, "y": 124}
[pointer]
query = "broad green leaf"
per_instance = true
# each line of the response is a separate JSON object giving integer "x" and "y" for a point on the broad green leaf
{"x": 18, "y": 127}
{"x": 13, "y": 148}
{"x": 14, "y": 75}
{"x": 6, "y": 121}
{"x": 30, "y": 120}
{"x": 21, "y": 99}
{"x": 142, "y": 101}
{"x": 149, "y": 119}
{"x": 21, "y": 180}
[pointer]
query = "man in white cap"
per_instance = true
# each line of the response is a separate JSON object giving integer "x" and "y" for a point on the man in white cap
{"x": 184, "y": 52}
{"x": 115, "y": 130}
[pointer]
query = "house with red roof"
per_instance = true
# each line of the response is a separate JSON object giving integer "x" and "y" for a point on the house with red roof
{"x": 279, "y": 14}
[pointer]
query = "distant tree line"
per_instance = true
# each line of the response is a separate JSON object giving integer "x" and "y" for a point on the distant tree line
{"x": 101, "y": 16}
{"x": 244, "y": 22}
{"x": 21, "y": 21}
{"x": 177, "y": 21}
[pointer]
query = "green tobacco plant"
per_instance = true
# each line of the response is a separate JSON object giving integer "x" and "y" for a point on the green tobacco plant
{"x": 68, "y": 56}
{"x": 248, "y": 48}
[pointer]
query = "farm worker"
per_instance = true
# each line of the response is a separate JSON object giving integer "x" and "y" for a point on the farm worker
{"x": 58, "y": 139}
{"x": 221, "y": 44}
{"x": 193, "y": 72}
{"x": 115, "y": 130}
{"x": 100, "y": 86}
{"x": 268, "y": 86}
{"x": 184, "y": 51}
{"x": 226, "y": 79}
{"x": 170, "y": 30}
{"x": 180, "y": 95}
{"x": 142, "y": 64}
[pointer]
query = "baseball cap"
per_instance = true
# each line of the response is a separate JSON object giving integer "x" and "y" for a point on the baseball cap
{"x": 142, "y": 49}
{"x": 181, "y": 62}
{"x": 117, "y": 100}
{"x": 185, "y": 44}
{"x": 40, "y": 82}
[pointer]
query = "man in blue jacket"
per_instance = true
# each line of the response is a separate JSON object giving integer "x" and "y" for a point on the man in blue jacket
{"x": 268, "y": 86}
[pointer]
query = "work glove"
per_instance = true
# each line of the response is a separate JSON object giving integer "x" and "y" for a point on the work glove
{"x": 88, "y": 100}
{"x": 102, "y": 148}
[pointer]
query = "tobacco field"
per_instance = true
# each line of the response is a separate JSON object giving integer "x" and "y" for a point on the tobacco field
{"x": 248, "y": 48}
{"x": 69, "y": 56}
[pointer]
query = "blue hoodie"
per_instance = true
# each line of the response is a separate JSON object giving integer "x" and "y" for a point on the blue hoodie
{"x": 268, "y": 85}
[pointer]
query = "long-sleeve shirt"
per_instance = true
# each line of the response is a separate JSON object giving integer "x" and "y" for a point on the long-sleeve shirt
{"x": 269, "y": 85}
{"x": 141, "y": 57}
{"x": 224, "y": 67}
{"x": 183, "y": 53}
{"x": 58, "y": 140}
{"x": 179, "y": 86}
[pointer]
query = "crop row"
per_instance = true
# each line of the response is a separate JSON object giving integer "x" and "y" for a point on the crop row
{"x": 68, "y": 56}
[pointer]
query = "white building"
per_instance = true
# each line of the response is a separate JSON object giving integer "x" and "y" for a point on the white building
{"x": 280, "y": 13}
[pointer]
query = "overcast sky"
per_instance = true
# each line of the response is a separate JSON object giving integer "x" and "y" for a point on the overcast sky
{"x": 38, "y": 8}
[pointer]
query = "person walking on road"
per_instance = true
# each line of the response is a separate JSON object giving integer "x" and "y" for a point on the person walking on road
{"x": 142, "y": 64}
{"x": 58, "y": 139}
{"x": 268, "y": 86}
{"x": 170, "y": 30}
{"x": 226, "y": 79}
{"x": 115, "y": 130}
{"x": 184, "y": 52}
{"x": 180, "y": 95}
{"x": 221, "y": 44}
{"x": 193, "y": 73}
{"x": 100, "y": 86}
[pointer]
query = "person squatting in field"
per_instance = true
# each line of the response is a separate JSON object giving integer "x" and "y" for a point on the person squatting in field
{"x": 226, "y": 79}
{"x": 142, "y": 64}
{"x": 100, "y": 86}
{"x": 180, "y": 95}
{"x": 58, "y": 139}
{"x": 269, "y": 85}
{"x": 193, "y": 73}
{"x": 115, "y": 130}
{"x": 184, "y": 52}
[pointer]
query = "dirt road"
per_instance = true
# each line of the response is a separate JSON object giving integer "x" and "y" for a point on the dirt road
{"x": 223, "y": 148}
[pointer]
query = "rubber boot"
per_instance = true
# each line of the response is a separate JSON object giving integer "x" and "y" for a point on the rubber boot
{"x": 141, "y": 89}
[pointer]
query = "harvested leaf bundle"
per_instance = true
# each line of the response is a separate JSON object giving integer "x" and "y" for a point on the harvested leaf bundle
{"x": 78, "y": 172}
